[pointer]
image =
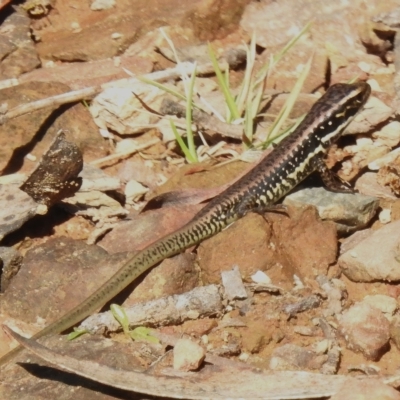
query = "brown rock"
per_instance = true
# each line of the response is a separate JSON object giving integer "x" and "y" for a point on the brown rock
{"x": 33, "y": 132}
{"x": 17, "y": 51}
{"x": 256, "y": 336}
{"x": 365, "y": 330}
{"x": 363, "y": 263}
{"x": 55, "y": 277}
{"x": 199, "y": 327}
{"x": 246, "y": 244}
{"x": 174, "y": 275}
{"x": 81, "y": 75}
{"x": 309, "y": 244}
{"x": 132, "y": 20}
{"x": 214, "y": 19}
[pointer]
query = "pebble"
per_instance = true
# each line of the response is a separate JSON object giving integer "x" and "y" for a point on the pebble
{"x": 233, "y": 284}
{"x": 188, "y": 355}
{"x": 374, "y": 258}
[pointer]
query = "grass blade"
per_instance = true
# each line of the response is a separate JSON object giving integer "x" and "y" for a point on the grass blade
{"x": 189, "y": 106}
{"x": 288, "y": 106}
{"x": 162, "y": 87}
{"x": 230, "y": 101}
{"x": 182, "y": 144}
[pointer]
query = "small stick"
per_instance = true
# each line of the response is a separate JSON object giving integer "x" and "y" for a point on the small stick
{"x": 77, "y": 95}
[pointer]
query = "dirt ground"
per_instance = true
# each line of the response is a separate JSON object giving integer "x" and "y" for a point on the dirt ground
{"x": 78, "y": 231}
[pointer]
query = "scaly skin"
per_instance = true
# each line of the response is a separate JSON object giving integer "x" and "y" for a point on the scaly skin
{"x": 287, "y": 165}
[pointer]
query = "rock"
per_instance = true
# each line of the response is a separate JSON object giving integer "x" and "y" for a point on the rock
{"x": 199, "y": 327}
{"x": 17, "y": 50}
{"x": 205, "y": 20}
{"x": 10, "y": 263}
{"x": 233, "y": 284}
{"x": 292, "y": 357}
{"x": 275, "y": 22}
{"x": 305, "y": 304}
{"x": 385, "y": 216}
{"x": 389, "y": 135}
{"x": 99, "y": 5}
{"x": 370, "y": 389}
{"x": 350, "y": 212}
{"x": 356, "y": 238}
{"x": 256, "y": 336}
{"x": 385, "y": 160}
{"x": 188, "y": 355}
{"x": 16, "y": 207}
{"x": 22, "y": 132}
{"x": 335, "y": 290}
{"x": 79, "y": 75}
{"x": 365, "y": 330}
{"x": 374, "y": 258}
{"x": 245, "y": 244}
{"x": 368, "y": 185}
{"x": 395, "y": 330}
{"x": 387, "y": 304}
{"x": 134, "y": 191}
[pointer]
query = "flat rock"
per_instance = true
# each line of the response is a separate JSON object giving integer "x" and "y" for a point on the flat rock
{"x": 131, "y": 20}
{"x": 56, "y": 276}
{"x": 81, "y": 75}
{"x": 17, "y": 50}
{"x": 276, "y": 22}
{"x": 350, "y": 212}
{"x": 16, "y": 207}
{"x": 374, "y": 258}
{"x": 34, "y": 132}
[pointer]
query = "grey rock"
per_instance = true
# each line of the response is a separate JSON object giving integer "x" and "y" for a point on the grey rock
{"x": 233, "y": 284}
{"x": 16, "y": 207}
{"x": 350, "y": 212}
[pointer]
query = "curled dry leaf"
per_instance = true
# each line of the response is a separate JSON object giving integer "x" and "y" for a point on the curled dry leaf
{"x": 56, "y": 176}
{"x": 219, "y": 382}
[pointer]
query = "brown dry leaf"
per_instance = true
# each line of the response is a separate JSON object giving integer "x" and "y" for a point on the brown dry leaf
{"x": 56, "y": 176}
{"x": 211, "y": 382}
{"x": 183, "y": 197}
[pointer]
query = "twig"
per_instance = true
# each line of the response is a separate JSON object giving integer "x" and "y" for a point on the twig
{"x": 77, "y": 95}
{"x": 203, "y": 120}
{"x": 202, "y": 302}
{"x": 124, "y": 154}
